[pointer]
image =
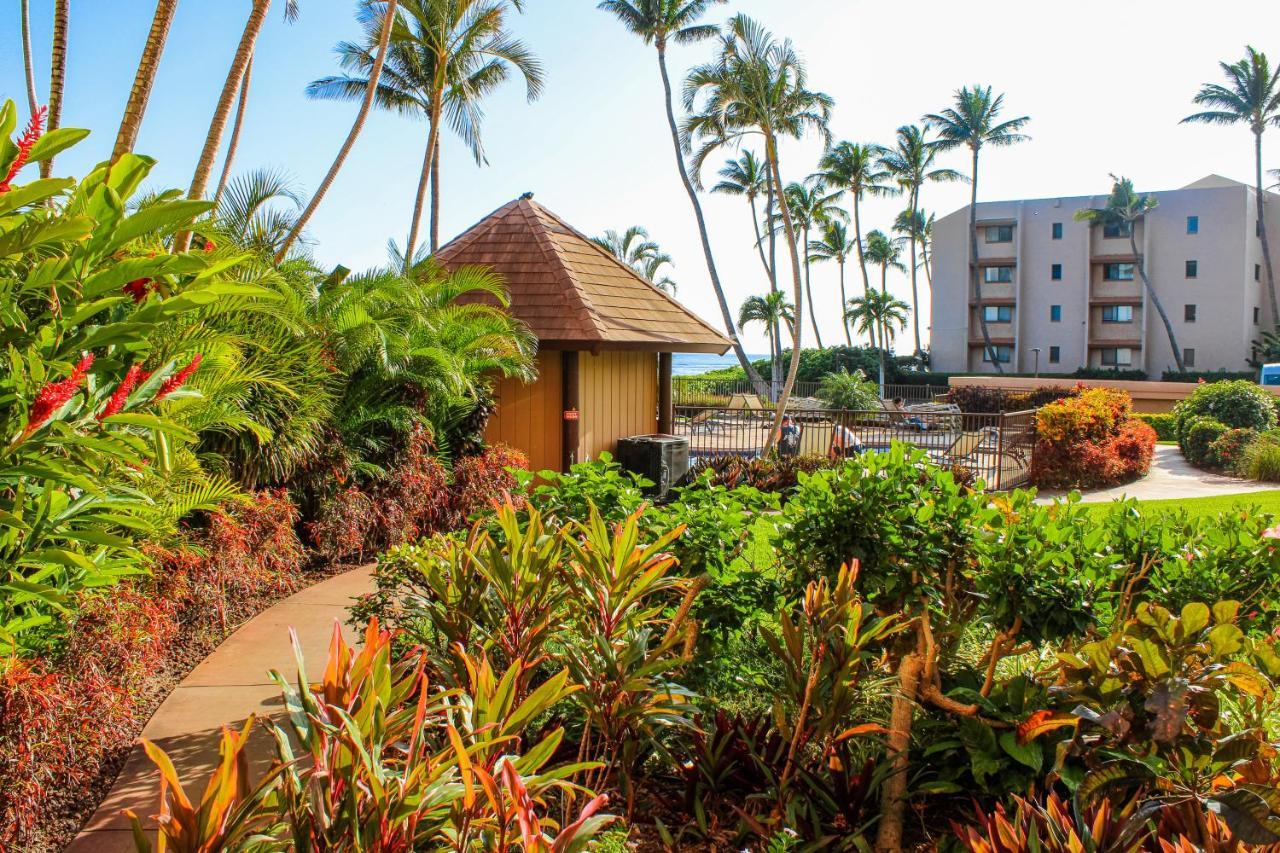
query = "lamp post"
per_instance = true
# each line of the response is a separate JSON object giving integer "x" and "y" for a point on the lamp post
{"x": 1036, "y": 350}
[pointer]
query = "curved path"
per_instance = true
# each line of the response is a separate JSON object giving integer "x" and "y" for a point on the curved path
{"x": 1172, "y": 477}
{"x": 223, "y": 689}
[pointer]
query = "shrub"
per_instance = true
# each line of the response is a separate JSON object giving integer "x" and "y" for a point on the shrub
{"x": 777, "y": 474}
{"x": 480, "y": 480}
{"x": 1261, "y": 460}
{"x": 1198, "y": 435}
{"x": 980, "y": 399}
{"x": 1164, "y": 423}
{"x": 1091, "y": 441}
{"x": 849, "y": 391}
{"x": 1228, "y": 450}
{"x": 600, "y": 483}
{"x": 1238, "y": 404}
{"x": 1209, "y": 375}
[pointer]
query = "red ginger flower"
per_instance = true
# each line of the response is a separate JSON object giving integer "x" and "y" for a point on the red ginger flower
{"x": 121, "y": 395}
{"x": 25, "y": 143}
{"x": 174, "y": 382}
{"x": 55, "y": 395}
{"x": 209, "y": 245}
{"x": 138, "y": 288}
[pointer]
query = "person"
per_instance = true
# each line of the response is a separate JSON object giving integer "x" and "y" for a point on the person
{"x": 844, "y": 443}
{"x": 900, "y": 411}
{"x": 788, "y": 437}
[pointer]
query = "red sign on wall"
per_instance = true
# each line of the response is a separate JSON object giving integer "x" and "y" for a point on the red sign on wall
{"x": 571, "y": 415}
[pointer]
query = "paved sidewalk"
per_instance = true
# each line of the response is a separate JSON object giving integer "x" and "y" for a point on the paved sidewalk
{"x": 223, "y": 690}
{"x": 1172, "y": 477}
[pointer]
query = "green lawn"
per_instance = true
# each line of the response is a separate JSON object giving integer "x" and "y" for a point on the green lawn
{"x": 1268, "y": 501}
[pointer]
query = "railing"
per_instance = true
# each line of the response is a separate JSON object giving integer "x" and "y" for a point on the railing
{"x": 996, "y": 448}
{"x": 696, "y": 391}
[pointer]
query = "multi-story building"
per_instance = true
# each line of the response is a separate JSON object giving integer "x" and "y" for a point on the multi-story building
{"x": 1060, "y": 294}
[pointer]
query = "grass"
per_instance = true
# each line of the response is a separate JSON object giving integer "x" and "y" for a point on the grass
{"x": 1268, "y": 502}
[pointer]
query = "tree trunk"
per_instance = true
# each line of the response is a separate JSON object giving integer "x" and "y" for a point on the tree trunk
{"x": 893, "y": 793}
{"x": 974, "y": 272}
{"x": 57, "y": 73}
{"x": 844, "y": 305}
{"x": 236, "y": 126}
{"x": 1262, "y": 227}
{"x": 435, "y": 198}
{"x": 789, "y": 231}
{"x": 883, "y": 326}
{"x": 862, "y": 261}
{"x": 375, "y": 74}
{"x": 1155, "y": 300}
{"x": 148, "y": 65}
{"x": 218, "y": 125}
{"x": 428, "y": 157}
{"x": 28, "y": 63}
{"x": 775, "y": 371}
{"x": 813, "y": 316}
{"x": 730, "y": 328}
{"x": 755, "y": 226}
{"x": 915, "y": 293}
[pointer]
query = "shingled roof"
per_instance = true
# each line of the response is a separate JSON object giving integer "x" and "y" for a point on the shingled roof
{"x": 571, "y": 293}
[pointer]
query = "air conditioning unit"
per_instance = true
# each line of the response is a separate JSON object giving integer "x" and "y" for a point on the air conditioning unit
{"x": 662, "y": 459}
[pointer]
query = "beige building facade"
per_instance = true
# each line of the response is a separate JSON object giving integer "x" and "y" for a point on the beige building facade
{"x": 1060, "y": 294}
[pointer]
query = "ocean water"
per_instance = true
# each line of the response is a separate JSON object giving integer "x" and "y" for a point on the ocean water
{"x": 689, "y": 363}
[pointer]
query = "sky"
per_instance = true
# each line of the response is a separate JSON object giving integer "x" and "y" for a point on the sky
{"x": 1105, "y": 83}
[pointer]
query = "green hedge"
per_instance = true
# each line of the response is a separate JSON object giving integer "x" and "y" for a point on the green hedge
{"x": 1165, "y": 424}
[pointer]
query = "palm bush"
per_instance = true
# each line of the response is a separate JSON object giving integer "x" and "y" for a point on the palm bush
{"x": 848, "y": 391}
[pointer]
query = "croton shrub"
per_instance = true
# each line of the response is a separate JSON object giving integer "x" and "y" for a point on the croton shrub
{"x": 1091, "y": 440}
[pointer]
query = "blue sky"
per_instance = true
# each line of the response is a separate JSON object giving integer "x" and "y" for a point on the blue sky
{"x": 595, "y": 147}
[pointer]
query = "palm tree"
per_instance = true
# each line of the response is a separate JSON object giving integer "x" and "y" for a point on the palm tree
{"x": 381, "y": 22}
{"x": 972, "y": 122}
{"x": 903, "y": 224}
{"x": 880, "y": 311}
{"x": 855, "y": 168}
{"x": 28, "y": 65}
{"x": 658, "y": 23}
{"x": 836, "y": 245}
{"x": 771, "y": 310}
{"x": 1125, "y": 207}
{"x": 634, "y": 248}
{"x": 886, "y": 253}
{"x": 145, "y": 77}
{"x": 57, "y": 72}
{"x": 911, "y": 162}
{"x": 747, "y": 178}
{"x": 250, "y": 212}
{"x": 1251, "y": 96}
{"x": 812, "y": 207}
{"x": 236, "y": 126}
{"x": 757, "y": 86}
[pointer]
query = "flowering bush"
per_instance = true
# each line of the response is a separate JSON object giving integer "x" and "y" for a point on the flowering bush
{"x": 480, "y": 480}
{"x": 1238, "y": 405}
{"x": 1227, "y": 451}
{"x": 1197, "y": 436}
{"x": 985, "y": 400}
{"x": 1091, "y": 440}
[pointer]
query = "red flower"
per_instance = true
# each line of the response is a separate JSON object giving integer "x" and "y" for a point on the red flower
{"x": 138, "y": 288}
{"x": 119, "y": 396}
{"x": 174, "y": 382}
{"x": 55, "y": 395}
{"x": 25, "y": 143}
{"x": 209, "y": 245}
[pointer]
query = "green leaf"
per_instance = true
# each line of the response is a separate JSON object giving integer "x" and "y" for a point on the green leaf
{"x": 1226, "y": 639}
{"x": 55, "y": 141}
{"x": 36, "y": 191}
{"x": 1195, "y": 618}
{"x": 1030, "y": 754}
{"x": 1112, "y": 774}
{"x": 1248, "y": 816}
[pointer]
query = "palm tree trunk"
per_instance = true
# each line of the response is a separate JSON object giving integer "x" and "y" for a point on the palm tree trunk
{"x": 435, "y": 198}
{"x": 775, "y": 372}
{"x": 974, "y": 275}
{"x": 924, "y": 259}
{"x": 1155, "y": 300}
{"x": 813, "y": 316}
{"x": 57, "y": 72}
{"x": 143, "y": 80}
{"x": 428, "y": 158}
{"x": 915, "y": 293}
{"x": 236, "y": 126}
{"x": 1262, "y": 227}
{"x": 755, "y": 225}
{"x": 28, "y": 63}
{"x": 730, "y": 329}
{"x": 218, "y": 125}
{"x": 789, "y": 231}
{"x": 844, "y": 304}
{"x": 375, "y": 74}
{"x": 862, "y": 261}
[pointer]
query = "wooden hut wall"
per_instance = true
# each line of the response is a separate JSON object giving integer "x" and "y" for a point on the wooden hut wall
{"x": 528, "y": 417}
{"x": 618, "y": 398}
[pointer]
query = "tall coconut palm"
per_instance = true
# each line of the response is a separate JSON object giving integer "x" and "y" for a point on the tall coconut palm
{"x": 907, "y": 222}
{"x": 973, "y": 122}
{"x": 236, "y": 126}
{"x": 757, "y": 86}
{"x": 747, "y": 178}
{"x": 1126, "y": 208}
{"x": 145, "y": 78}
{"x": 57, "y": 72}
{"x": 836, "y": 245}
{"x": 380, "y": 22}
{"x": 771, "y": 310}
{"x": 659, "y": 23}
{"x": 634, "y": 248}
{"x": 1252, "y": 97}
{"x": 885, "y": 252}
{"x": 883, "y": 312}
{"x": 28, "y": 63}
{"x": 855, "y": 168}
{"x": 812, "y": 206}
{"x": 911, "y": 163}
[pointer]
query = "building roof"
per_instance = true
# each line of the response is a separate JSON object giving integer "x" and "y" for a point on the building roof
{"x": 570, "y": 292}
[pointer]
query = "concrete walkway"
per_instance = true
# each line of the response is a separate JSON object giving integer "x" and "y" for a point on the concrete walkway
{"x": 224, "y": 689}
{"x": 1172, "y": 477}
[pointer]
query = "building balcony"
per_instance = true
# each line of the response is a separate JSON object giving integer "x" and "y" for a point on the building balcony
{"x": 996, "y": 340}
{"x": 993, "y": 300}
{"x": 1130, "y": 342}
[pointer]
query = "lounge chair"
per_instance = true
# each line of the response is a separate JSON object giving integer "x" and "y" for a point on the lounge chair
{"x": 705, "y": 421}
{"x": 746, "y": 403}
{"x": 815, "y": 438}
{"x": 965, "y": 445}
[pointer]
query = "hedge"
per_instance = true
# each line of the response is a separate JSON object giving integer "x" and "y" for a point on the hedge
{"x": 1164, "y": 423}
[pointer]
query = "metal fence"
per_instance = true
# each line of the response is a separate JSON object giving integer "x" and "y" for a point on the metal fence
{"x": 997, "y": 448}
{"x": 696, "y": 391}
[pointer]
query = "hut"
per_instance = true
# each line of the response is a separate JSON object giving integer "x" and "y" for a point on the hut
{"x": 605, "y": 337}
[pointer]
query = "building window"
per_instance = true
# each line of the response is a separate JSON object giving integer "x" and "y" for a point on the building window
{"x": 1117, "y": 272}
{"x": 1193, "y": 224}
{"x": 1055, "y": 355}
{"x": 1117, "y": 313}
{"x": 1057, "y": 230}
{"x": 1257, "y": 272}
{"x": 1255, "y": 315}
{"x": 997, "y": 313}
{"x": 1117, "y": 229}
{"x": 1003, "y": 353}
{"x": 1055, "y": 313}
{"x": 1117, "y": 357}
{"x": 997, "y": 275}
{"x": 1188, "y": 357}
{"x": 1193, "y": 267}
{"x": 999, "y": 233}
{"x": 1189, "y": 313}
{"x": 1055, "y": 272}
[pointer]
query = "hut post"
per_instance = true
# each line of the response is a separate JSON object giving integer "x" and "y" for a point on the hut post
{"x": 569, "y": 398}
{"x": 666, "y": 414}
